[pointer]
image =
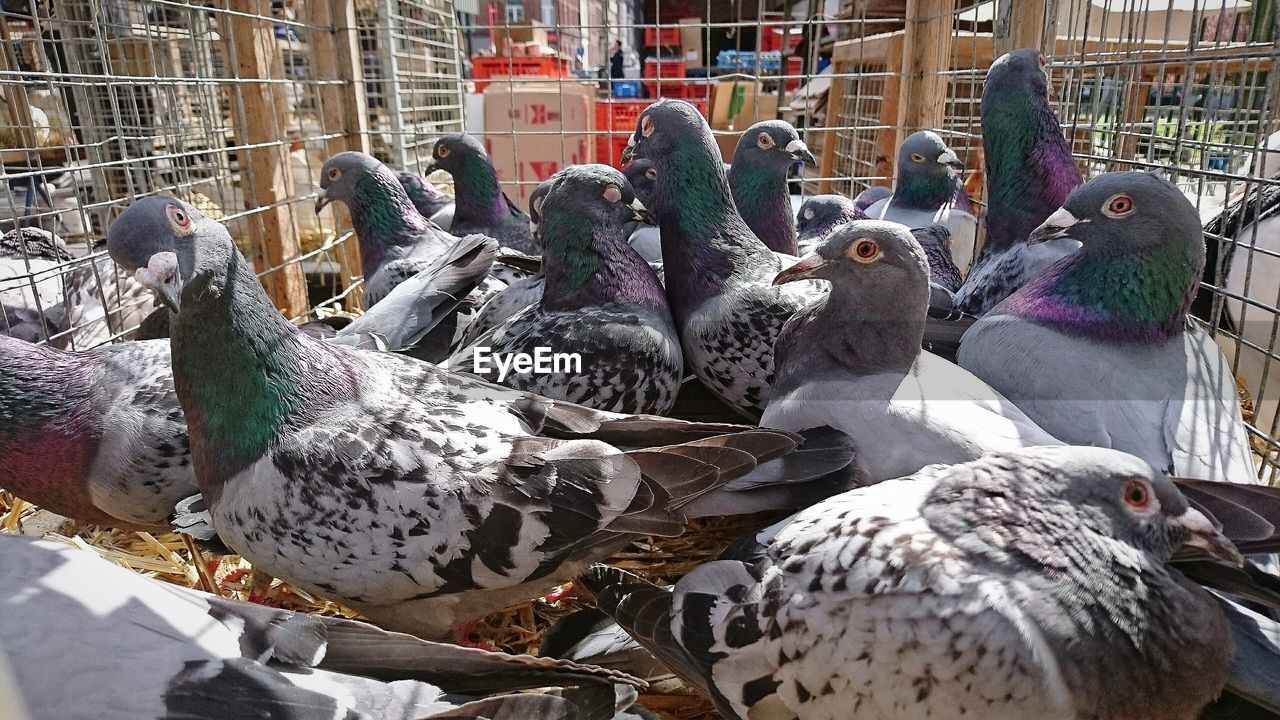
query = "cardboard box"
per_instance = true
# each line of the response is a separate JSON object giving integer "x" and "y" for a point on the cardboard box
{"x": 739, "y": 104}
{"x": 522, "y": 161}
{"x": 526, "y": 31}
{"x": 691, "y": 37}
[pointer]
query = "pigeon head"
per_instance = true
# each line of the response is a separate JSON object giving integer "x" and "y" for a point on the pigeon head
{"x": 600, "y": 192}
{"x": 927, "y": 172}
{"x": 1107, "y": 494}
{"x": 642, "y": 175}
{"x": 871, "y": 258}
{"x": 668, "y": 128}
{"x": 871, "y": 196}
{"x": 772, "y": 144}
{"x": 1025, "y": 69}
{"x": 1125, "y": 213}
{"x": 820, "y": 214}
{"x": 425, "y": 196}
{"x": 537, "y": 197}
{"x": 343, "y": 173}
{"x": 455, "y": 152}
{"x": 155, "y": 239}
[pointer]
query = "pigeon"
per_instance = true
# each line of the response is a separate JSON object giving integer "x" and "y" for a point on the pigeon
{"x": 928, "y": 191}
{"x": 819, "y": 215}
{"x": 418, "y": 497}
{"x": 396, "y": 242}
{"x": 1099, "y": 349}
{"x": 1029, "y": 171}
{"x": 1029, "y": 583}
{"x": 96, "y": 435}
{"x": 602, "y": 302}
{"x": 425, "y": 196}
{"x": 758, "y": 181}
{"x": 480, "y": 206}
{"x": 935, "y": 240}
{"x": 645, "y": 238}
{"x": 871, "y": 196}
{"x": 853, "y": 362}
{"x": 718, "y": 274}
{"x": 75, "y": 629}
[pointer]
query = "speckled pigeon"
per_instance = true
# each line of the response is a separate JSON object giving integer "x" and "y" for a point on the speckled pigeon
{"x": 96, "y": 435}
{"x": 719, "y": 275}
{"x": 1027, "y": 584}
{"x": 1099, "y": 350}
{"x": 819, "y": 215}
{"x": 425, "y": 196}
{"x": 853, "y": 362}
{"x": 928, "y": 191}
{"x": 416, "y": 496}
{"x": 601, "y": 301}
{"x": 758, "y": 181}
{"x": 83, "y": 638}
{"x": 480, "y": 206}
{"x": 1029, "y": 172}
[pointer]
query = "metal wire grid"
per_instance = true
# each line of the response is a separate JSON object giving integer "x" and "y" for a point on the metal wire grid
{"x": 167, "y": 96}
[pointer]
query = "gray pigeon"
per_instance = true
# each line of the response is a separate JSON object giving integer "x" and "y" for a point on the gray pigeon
{"x": 853, "y": 362}
{"x": 419, "y": 497}
{"x": 1099, "y": 350}
{"x": 425, "y": 196}
{"x": 819, "y": 215}
{"x": 480, "y": 206}
{"x": 601, "y": 301}
{"x": 758, "y": 180}
{"x": 84, "y": 638}
{"x": 871, "y": 196}
{"x": 928, "y": 191}
{"x": 1027, "y": 584}
{"x": 645, "y": 238}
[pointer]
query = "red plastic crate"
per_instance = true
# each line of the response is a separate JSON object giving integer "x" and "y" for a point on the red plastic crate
{"x": 609, "y": 149}
{"x": 794, "y": 67}
{"x": 662, "y": 37}
{"x": 771, "y": 37}
{"x": 490, "y": 66}
{"x": 619, "y": 115}
{"x": 673, "y": 69}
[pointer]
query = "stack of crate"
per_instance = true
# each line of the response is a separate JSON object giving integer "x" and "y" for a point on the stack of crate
{"x": 616, "y": 120}
{"x": 664, "y": 69}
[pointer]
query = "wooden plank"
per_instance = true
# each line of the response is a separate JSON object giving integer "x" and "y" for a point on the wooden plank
{"x": 830, "y": 137}
{"x": 16, "y": 94}
{"x": 887, "y": 139}
{"x": 336, "y": 56}
{"x": 1021, "y": 24}
{"x": 926, "y": 58}
{"x": 261, "y": 111}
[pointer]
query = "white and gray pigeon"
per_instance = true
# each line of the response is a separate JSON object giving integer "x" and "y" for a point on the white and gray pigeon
{"x": 1029, "y": 171}
{"x": 1027, "y": 584}
{"x": 719, "y": 275}
{"x": 928, "y": 191}
{"x": 1099, "y": 350}
{"x": 853, "y": 362}
{"x": 84, "y": 638}
{"x": 417, "y": 496}
{"x": 602, "y": 307}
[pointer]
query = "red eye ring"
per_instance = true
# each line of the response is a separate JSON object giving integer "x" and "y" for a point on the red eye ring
{"x": 764, "y": 141}
{"x": 1137, "y": 494}
{"x": 334, "y": 173}
{"x": 651, "y": 173}
{"x": 864, "y": 250}
{"x": 442, "y": 150}
{"x": 179, "y": 217}
{"x": 1118, "y": 206}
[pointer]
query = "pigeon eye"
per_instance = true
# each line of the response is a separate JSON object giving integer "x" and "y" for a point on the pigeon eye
{"x": 646, "y": 126}
{"x": 334, "y": 173}
{"x": 651, "y": 173}
{"x": 612, "y": 193}
{"x": 764, "y": 141}
{"x": 1137, "y": 495}
{"x": 1118, "y": 206}
{"x": 864, "y": 250}
{"x": 442, "y": 151}
{"x": 808, "y": 214}
{"x": 917, "y": 158}
{"x": 179, "y": 217}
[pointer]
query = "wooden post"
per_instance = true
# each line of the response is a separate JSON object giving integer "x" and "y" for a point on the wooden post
{"x": 1020, "y": 24}
{"x": 926, "y": 57}
{"x": 16, "y": 94}
{"x": 336, "y": 56}
{"x": 261, "y": 113}
{"x": 888, "y": 138}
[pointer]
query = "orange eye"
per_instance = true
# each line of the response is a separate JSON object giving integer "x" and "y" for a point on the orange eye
{"x": 764, "y": 141}
{"x": 179, "y": 217}
{"x": 917, "y": 158}
{"x": 1137, "y": 494}
{"x": 442, "y": 150}
{"x": 864, "y": 250}
{"x": 334, "y": 173}
{"x": 1118, "y": 206}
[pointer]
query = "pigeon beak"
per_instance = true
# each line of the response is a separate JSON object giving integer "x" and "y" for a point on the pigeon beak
{"x": 1054, "y": 226}
{"x": 429, "y": 168}
{"x": 948, "y": 157}
{"x": 641, "y": 213}
{"x": 161, "y": 277}
{"x": 800, "y": 151}
{"x": 803, "y": 270}
{"x": 629, "y": 152}
{"x": 1207, "y": 537}
{"x": 321, "y": 200}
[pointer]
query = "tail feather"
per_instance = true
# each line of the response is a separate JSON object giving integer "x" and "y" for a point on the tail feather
{"x": 1249, "y": 515}
{"x": 1256, "y": 662}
